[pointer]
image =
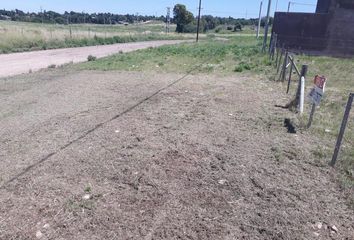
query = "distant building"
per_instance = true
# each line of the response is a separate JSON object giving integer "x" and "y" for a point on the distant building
{"x": 329, "y": 31}
{"x": 4, "y": 17}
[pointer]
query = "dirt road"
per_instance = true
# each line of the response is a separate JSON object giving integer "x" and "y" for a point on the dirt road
{"x": 18, "y": 63}
{"x": 117, "y": 155}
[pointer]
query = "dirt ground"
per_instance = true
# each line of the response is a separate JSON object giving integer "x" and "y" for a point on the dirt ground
{"x": 19, "y": 63}
{"x": 99, "y": 155}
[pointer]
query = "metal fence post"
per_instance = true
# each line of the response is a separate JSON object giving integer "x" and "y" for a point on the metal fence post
{"x": 342, "y": 130}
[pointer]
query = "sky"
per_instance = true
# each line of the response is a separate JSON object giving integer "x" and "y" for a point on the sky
{"x": 223, "y": 8}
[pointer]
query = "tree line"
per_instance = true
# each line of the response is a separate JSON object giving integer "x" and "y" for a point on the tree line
{"x": 74, "y": 17}
{"x": 187, "y": 23}
{"x": 184, "y": 19}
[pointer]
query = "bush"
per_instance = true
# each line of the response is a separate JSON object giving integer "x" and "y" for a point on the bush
{"x": 52, "y": 66}
{"x": 91, "y": 58}
{"x": 190, "y": 28}
{"x": 238, "y": 27}
{"x": 242, "y": 66}
{"x": 218, "y": 29}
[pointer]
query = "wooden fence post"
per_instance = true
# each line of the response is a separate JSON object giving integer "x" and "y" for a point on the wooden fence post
{"x": 291, "y": 72}
{"x": 276, "y": 59}
{"x": 313, "y": 109}
{"x": 285, "y": 65}
{"x": 280, "y": 58}
{"x": 271, "y": 43}
{"x": 342, "y": 130}
{"x": 275, "y": 45}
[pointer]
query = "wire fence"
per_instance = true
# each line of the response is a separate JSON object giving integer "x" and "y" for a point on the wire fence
{"x": 286, "y": 66}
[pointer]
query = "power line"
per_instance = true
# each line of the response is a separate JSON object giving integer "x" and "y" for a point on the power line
{"x": 226, "y": 12}
{"x": 303, "y": 4}
{"x": 297, "y": 3}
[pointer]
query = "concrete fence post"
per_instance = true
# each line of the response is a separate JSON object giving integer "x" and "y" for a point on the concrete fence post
{"x": 302, "y": 95}
{"x": 303, "y": 74}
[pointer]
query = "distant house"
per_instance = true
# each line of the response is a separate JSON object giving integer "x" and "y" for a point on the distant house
{"x": 123, "y": 23}
{"x": 329, "y": 31}
{"x": 4, "y": 17}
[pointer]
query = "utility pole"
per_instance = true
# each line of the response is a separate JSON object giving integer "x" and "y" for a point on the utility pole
{"x": 289, "y": 6}
{"x": 104, "y": 26}
{"x": 168, "y": 19}
{"x": 42, "y": 14}
{"x": 276, "y": 6}
{"x": 259, "y": 19}
{"x": 69, "y": 22}
{"x": 266, "y": 26}
{"x": 198, "y": 25}
{"x": 137, "y": 18}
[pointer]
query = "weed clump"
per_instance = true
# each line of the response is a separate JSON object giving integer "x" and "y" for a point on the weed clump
{"x": 242, "y": 66}
{"x": 91, "y": 58}
{"x": 52, "y": 66}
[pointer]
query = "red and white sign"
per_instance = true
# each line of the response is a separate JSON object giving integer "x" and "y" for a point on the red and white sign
{"x": 317, "y": 92}
{"x": 320, "y": 82}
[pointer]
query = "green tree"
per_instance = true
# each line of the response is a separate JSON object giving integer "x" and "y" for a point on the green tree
{"x": 238, "y": 27}
{"x": 182, "y": 17}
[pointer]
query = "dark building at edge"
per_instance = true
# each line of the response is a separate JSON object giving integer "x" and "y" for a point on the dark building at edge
{"x": 329, "y": 31}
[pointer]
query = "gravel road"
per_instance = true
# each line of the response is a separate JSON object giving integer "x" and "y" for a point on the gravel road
{"x": 19, "y": 63}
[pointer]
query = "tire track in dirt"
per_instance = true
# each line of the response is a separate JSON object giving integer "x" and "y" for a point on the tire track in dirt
{"x": 208, "y": 158}
{"x": 97, "y": 126}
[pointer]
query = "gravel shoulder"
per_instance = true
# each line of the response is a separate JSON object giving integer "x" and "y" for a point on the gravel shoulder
{"x": 19, "y": 63}
{"x": 99, "y": 155}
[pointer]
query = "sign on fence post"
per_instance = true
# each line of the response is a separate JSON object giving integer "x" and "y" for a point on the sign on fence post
{"x": 316, "y": 95}
{"x": 317, "y": 92}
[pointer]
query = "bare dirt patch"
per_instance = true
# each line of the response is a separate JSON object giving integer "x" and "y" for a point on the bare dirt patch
{"x": 207, "y": 158}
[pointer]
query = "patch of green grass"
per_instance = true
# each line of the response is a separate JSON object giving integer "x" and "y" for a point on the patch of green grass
{"x": 88, "y": 189}
{"x": 39, "y": 44}
{"x": 211, "y": 56}
{"x": 278, "y": 154}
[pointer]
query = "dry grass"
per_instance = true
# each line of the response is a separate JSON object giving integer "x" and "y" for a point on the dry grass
{"x": 328, "y": 117}
{"x": 21, "y": 36}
